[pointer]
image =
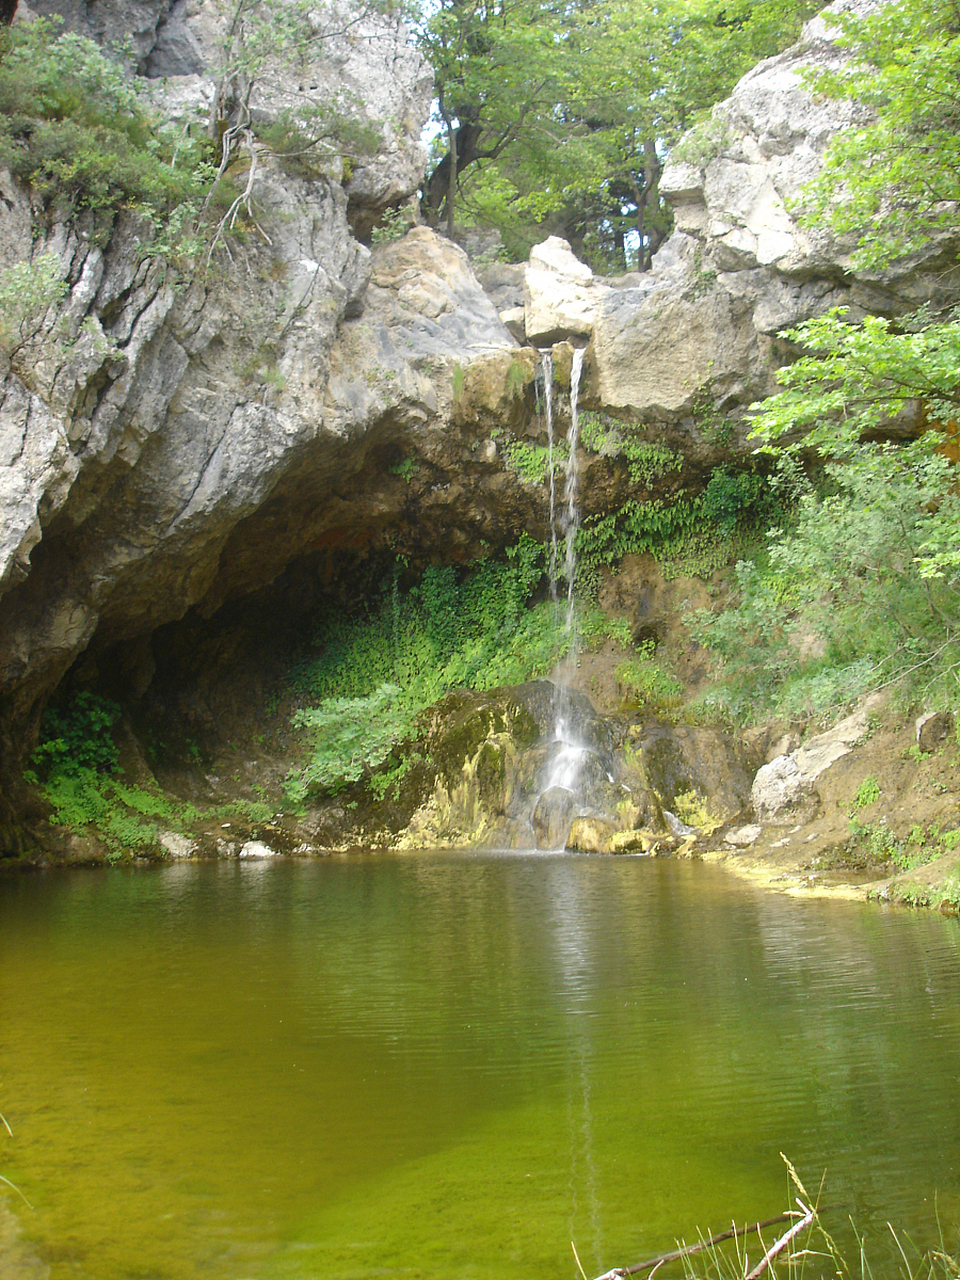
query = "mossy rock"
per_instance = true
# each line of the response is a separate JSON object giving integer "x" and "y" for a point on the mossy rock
{"x": 705, "y": 762}
{"x": 462, "y": 722}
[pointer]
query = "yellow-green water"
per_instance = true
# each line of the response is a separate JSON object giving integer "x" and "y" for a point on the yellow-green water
{"x": 454, "y": 1065}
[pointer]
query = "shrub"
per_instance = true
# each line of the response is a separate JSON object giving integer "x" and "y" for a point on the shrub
{"x": 644, "y": 683}
{"x": 351, "y": 735}
{"x": 27, "y": 291}
{"x": 730, "y": 496}
{"x": 73, "y": 127}
{"x": 78, "y": 737}
{"x": 867, "y": 793}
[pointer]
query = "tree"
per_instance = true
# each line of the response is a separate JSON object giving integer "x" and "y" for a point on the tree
{"x": 895, "y": 181}
{"x": 873, "y": 559}
{"x": 558, "y": 117}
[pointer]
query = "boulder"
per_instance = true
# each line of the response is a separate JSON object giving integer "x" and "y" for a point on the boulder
{"x": 934, "y": 729}
{"x": 784, "y": 790}
{"x": 560, "y": 294}
{"x": 257, "y": 850}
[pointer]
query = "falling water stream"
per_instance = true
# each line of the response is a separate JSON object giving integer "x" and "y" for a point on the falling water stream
{"x": 571, "y": 515}
{"x": 565, "y": 765}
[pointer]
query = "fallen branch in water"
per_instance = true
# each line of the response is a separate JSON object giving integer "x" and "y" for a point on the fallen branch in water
{"x": 734, "y": 1233}
{"x": 782, "y": 1243}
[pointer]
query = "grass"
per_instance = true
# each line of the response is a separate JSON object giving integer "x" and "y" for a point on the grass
{"x": 804, "y": 1248}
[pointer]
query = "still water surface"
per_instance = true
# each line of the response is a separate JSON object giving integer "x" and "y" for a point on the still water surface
{"x": 452, "y": 1066}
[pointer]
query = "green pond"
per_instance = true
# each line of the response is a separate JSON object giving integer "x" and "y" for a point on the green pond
{"x": 454, "y": 1065}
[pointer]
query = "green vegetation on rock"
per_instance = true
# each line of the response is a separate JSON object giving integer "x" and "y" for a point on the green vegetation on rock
{"x": 377, "y": 672}
{"x": 894, "y": 182}
{"x": 860, "y": 589}
{"x": 73, "y": 127}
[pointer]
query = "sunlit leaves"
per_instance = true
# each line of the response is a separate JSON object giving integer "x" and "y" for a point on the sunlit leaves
{"x": 895, "y": 181}
{"x": 858, "y": 378}
{"x": 566, "y": 112}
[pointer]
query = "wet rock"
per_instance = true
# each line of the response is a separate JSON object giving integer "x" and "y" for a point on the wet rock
{"x": 553, "y": 817}
{"x": 257, "y": 849}
{"x": 635, "y": 841}
{"x": 591, "y": 833}
{"x": 579, "y": 770}
{"x": 697, "y": 769}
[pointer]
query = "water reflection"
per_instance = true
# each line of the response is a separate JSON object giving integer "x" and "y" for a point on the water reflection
{"x": 459, "y": 1063}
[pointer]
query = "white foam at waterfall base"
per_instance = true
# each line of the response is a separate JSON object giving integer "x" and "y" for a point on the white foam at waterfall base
{"x": 565, "y": 768}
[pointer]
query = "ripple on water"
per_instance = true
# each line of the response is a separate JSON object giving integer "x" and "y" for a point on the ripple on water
{"x": 455, "y": 1064}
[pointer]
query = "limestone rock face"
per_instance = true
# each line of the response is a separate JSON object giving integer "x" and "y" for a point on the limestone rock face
{"x": 362, "y": 68}
{"x": 784, "y": 791}
{"x": 156, "y": 411}
{"x": 696, "y": 335}
{"x": 559, "y": 294}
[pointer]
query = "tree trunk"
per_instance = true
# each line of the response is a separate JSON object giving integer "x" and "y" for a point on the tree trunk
{"x": 451, "y": 179}
{"x": 462, "y": 150}
{"x": 651, "y": 178}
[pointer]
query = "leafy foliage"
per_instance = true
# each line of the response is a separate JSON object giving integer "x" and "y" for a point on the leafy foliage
{"x": 78, "y": 736}
{"x": 690, "y": 535}
{"x": 647, "y": 461}
{"x": 531, "y": 461}
{"x": 868, "y": 569}
{"x": 77, "y": 760}
{"x": 352, "y": 735}
{"x": 644, "y": 682}
{"x": 867, "y": 793}
{"x": 730, "y": 496}
{"x": 857, "y": 379}
{"x": 873, "y": 560}
{"x": 73, "y": 127}
{"x": 376, "y": 672}
{"x": 559, "y": 117}
{"x": 27, "y": 291}
{"x": 894, "y": 182}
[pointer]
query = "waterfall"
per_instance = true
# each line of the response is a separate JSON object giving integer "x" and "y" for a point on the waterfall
{"x": 574, "y": 777}
{"x": 547, "y": 366}
{"x": 567, "y": 520}
{"x": 571, "y": 520}
{"x": 565, "y": 769}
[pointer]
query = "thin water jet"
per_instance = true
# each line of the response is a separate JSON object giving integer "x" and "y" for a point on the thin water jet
{"x": 562, "y": 786}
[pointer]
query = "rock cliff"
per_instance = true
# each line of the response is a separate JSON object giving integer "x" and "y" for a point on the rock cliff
{"x": 172, "y": 441}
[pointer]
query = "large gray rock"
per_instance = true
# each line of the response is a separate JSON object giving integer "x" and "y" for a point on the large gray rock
{"x": 560, "y": 294}
{"x": 784, "y": 791}
{"x": 153, "y": 413}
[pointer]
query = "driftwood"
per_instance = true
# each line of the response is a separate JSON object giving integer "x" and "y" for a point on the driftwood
{"x": 780, "y": 1244}
{"x": 653, "y": 1264}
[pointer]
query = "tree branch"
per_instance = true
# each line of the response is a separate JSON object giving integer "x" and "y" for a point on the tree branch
{"x": 674, "y": 1255}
